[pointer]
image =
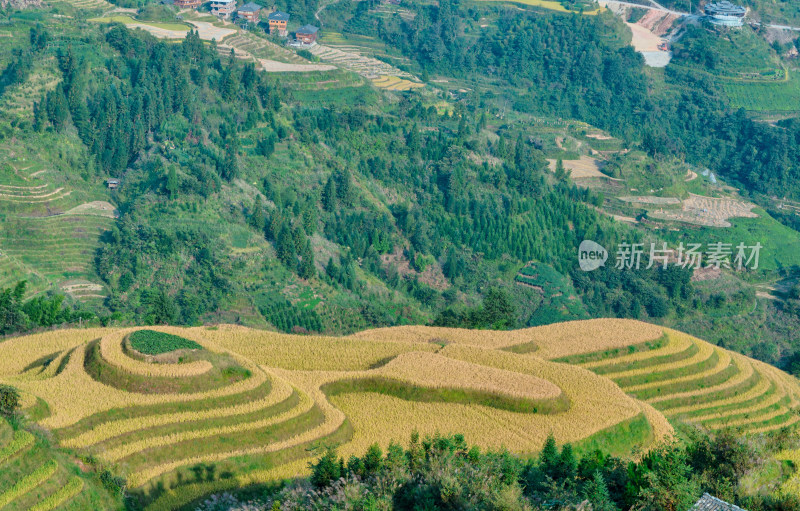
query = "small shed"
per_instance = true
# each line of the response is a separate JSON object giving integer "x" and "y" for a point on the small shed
{"x": 307, "y": 34}
{"x": 112, "y": 183}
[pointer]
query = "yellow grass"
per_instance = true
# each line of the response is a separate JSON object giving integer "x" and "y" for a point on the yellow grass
{"x": 723, "y": 362}
{"x": 422, "y": 356}
{"x": 662, "y": 429}
{"x": 280, "y": 392}
{"x": 745, "y": 372}
{"x": 554, "y": 341}
{"x": 59, "y": 393}
{"x": 430, "y": 369}
{"x": 111, "y": 350}
{"x": 129, "y": 448}
{"x": 16, "y": 354}
{"x": 310, "y": 352}
{"x": 676, "y": 343}
{"x": 546, "y": 4}
{"x": 705, "y": 351}
{"x": 769, "y": 401}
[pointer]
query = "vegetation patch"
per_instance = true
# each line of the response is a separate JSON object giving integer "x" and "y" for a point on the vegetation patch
{"x": 409, "y": 392}
{"x": 225, "y": 372}
{"x": 595, "y": 356}
{"x": 151, "y": 342}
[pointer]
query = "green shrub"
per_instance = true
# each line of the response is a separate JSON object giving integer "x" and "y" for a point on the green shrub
{"x": 9, "y": 399}
{"x": 151, "y": 342}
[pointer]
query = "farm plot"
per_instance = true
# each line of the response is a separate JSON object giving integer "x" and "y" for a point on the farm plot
{"x": 352, "y": 60}
{"x": 584, "y": 167}
{"x": 692, "y": 381}
{"x": 289, "y": 395}
{"x": 31, "y": 479}
{"x": 92, "y": 5}
{"x": 55, "y": 248}
{"x": 396, "y": 83}
{"x": 707, "y": 211}
{"x": 261, "y": 48}
{"x": 775, "y": 96}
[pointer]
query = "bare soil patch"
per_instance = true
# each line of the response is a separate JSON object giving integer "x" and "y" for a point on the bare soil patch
{"x": 708, "y": 211}
{"x": 586, "y": 166}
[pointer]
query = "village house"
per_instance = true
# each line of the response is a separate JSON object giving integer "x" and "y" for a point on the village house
{"x": 188, "y": 4}
{"x": 112, "y": 183}
{"x": 223, "y": 8}
{"x": 277, "y": 23}
{"x": 307, "y": 34}
{"x": 249, "y": 12}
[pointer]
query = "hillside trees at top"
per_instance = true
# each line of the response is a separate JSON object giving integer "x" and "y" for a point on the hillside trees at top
{"x": 573, "y": 66}
{"x": 171, "y": 120}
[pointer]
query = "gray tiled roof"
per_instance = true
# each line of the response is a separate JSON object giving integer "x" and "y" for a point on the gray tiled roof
{"x": 250, "y": 7}
{"x": 709, "y": 503}
{"x": 279, "y": 16}
{"x": 307, "y": 29}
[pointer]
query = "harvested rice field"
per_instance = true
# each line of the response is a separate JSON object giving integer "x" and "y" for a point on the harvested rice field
{"x": 257, "y": 405}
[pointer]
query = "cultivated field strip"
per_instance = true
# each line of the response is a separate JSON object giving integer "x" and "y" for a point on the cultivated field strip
{"x": 112, "y": 351}
{"x": 352, "y": 60}
{"x": 73, "y": 487}
{"x": 713, "y": 387}
{"x": 19, "y": 442}
{"x": 297, "y": 394}
{"x": 28, "y": 482}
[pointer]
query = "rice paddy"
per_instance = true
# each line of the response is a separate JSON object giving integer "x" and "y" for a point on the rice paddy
{"x": 395, "y": 83}
{"x": 291, "y": 395}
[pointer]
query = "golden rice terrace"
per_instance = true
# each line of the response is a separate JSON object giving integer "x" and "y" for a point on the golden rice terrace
{"x": 251, "y": 406}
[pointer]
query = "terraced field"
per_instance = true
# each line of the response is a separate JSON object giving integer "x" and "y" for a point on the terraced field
{"x": 30, "y": 479}
{"x": 260, "y": 48}
{"x": 350, "y": 58}
{"x": 90, "y": 4}
{"x": 250, "y": 406}
{"x": 692, "y": 381}
{"x": 49, "y": 232}
{"x": 396, "y": 83}
{"x": 53, "y": 249}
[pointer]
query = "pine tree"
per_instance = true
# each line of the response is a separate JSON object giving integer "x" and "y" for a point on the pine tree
{"x": 57, "y": 109}
{"x": 344, "y": 187}
{"x": 549, "y": 457}
{"x": 568, "y": 465}
{"x": 172, "y": 183}
{"x": 329, "y": 195}
{"x": 305, "y": 268}
{"x": 230, "y": 168}
{"x": 326, "y": 470}
{"x": 285, "y": 246}
{"x": 257, "y": 218}
{"x": 597, "y": 493}
{"x": 39, "y": 116}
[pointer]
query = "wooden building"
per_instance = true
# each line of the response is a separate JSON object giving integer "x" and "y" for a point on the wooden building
{"x": 223, "y": 8}
{"x": 277, "y": 23}
{"x": 188, "y": 4}
{"x": 307, "y": 34}
{"x": 249, "y": 12}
